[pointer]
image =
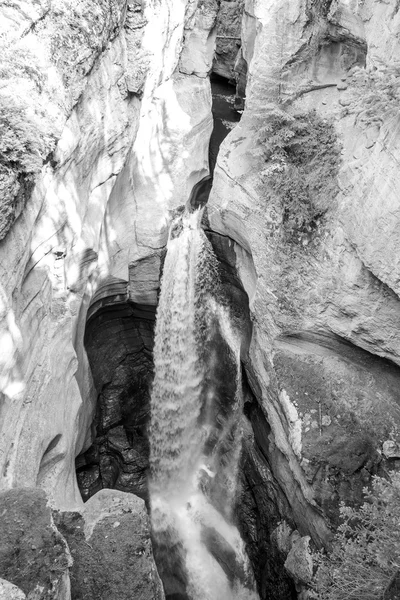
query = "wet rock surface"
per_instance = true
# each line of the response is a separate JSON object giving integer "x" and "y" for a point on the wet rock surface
{"x": 119, "y": 346}
{"x": 170, "y": 558}
{"x": 260, "y": 507}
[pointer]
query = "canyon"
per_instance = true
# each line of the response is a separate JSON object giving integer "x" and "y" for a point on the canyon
{"x": 106, "y": 111}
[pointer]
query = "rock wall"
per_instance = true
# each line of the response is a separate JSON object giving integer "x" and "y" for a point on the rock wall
{"x": 116, "y": 114}
{"x": 111, "y": 549}
{"x": 34, "y": 556}
{"x": 323, "y": 361}
{"x": 122, "y": 106}
{"x": 228, "y": 41}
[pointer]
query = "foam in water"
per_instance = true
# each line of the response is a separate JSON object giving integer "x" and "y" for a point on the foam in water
{"x": 181, "y": 404}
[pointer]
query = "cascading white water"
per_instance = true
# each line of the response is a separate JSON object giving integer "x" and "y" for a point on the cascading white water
{"x": 181, "y": 405}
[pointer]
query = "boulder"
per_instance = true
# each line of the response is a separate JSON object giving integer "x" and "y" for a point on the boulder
{"x": 299, "y": 561}
{"x": 111, "y": 547}
{"x": 8, "y": 591}
{"x": 34, "y": 556}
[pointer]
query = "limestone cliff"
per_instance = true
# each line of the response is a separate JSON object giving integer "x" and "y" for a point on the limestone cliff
{"x": 123, "y": 110}
{"x": 307, "y": 187}
{"x": 107, "y": 136}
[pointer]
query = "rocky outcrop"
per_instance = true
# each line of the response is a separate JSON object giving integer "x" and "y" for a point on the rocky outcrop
{"x": 102, "y": 201}
{"x": 323, "y": 297}
{"x": 48, "y": 52}
{"x": 111, "y": 548}
{"x": 229, "y": 26}
{"x": 34, "y": 555}
{"x": 198, "y": 51}
{"x": 8, "y": 591}
{"x": 119, "y": 342}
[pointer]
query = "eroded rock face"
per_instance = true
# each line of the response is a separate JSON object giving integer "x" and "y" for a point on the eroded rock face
{"x": 324, "y": 301}
{"x": 260, "y": 506}
{"x": 119, "y": 343}
{"x": 198, "y": 51}
{"x": 229, "y": 27}
{"x": 34, "y": 555}
{"x": 111, "y": 548}
{"x": 102, "y": 201}
{"x": 8, "y": 591}
{"x": 129, "y": 141}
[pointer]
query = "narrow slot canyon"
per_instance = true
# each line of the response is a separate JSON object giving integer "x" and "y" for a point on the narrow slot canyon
{"x": 119, "y": 340}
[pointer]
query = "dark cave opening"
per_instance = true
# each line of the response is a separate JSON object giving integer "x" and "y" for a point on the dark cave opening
{"x": 224, "y": 114}
{"x": 119, "y": 341}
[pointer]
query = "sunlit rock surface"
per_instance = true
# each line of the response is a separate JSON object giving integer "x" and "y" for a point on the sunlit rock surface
{"x": 102, "y": 201}
{"x": 124, "y": 99}
{"x": 198, "y": 51}
{"x": 8, "y": 591}
{"x": 325, "y": 348}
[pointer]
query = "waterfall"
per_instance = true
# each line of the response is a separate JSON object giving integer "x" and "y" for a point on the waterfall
{"x": 194, "y": 451}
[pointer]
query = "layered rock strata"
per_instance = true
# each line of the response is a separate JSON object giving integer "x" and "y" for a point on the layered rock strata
{"x": 119, "y": 342}
{"x": 303, "y": 209}
{"x": 124, "y": 110}
{"x": 324, "y": 302}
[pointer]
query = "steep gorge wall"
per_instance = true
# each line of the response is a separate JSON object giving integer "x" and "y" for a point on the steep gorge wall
{"x": 132, "y": 109}
{"x": 323, "y": 362}
{"x": 102, "y": 200}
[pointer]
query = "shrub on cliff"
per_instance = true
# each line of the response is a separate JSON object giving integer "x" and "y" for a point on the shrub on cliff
{"x": 365, "y": 554}
{"x": 375, "y": 92}
{"x": 22, "y": 145}
{"x": 22, "y": 141}
{"x": 302, "y": 156}
{"x": 27, "y": 125}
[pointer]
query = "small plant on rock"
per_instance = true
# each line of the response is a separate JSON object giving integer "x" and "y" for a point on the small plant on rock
{"x": 365, "y": 554}
{"x": 375, "y": 92}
